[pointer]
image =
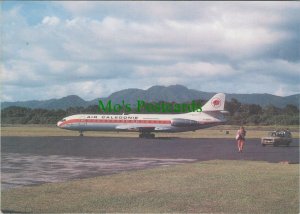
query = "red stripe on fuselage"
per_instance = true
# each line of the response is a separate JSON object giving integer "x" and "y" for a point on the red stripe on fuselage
{"x": 87, "y": 121}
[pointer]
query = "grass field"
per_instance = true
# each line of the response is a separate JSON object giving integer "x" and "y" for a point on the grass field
{"x": 214, "y": 132}
{"x": 203, "y": 187}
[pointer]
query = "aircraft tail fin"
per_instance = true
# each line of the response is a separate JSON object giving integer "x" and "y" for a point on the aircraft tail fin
{"x": 216, "y": 103}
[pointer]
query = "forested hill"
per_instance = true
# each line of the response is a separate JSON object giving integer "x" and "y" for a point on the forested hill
{"x": 250, "y": 114}
{"x": 173, "y": 93}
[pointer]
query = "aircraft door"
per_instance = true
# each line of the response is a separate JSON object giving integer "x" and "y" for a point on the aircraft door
{"x": 82, "y": 121}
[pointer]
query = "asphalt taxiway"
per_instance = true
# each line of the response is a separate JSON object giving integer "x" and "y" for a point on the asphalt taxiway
{"x": 35, "y": 160}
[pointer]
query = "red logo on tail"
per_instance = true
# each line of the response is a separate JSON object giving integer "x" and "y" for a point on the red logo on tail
{"x": 216, "y": 102}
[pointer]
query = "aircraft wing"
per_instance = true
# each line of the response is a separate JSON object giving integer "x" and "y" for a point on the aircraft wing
{"x": 141, "y": 128}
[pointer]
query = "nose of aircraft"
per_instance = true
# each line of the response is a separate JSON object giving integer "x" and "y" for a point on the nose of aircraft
{"x": 59, "y": 123}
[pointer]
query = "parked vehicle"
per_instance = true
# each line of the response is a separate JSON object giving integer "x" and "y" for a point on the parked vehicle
{"x": 276, "y": 138}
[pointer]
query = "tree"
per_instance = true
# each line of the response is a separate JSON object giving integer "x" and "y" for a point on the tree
{"x": 232, "y": 106}
{"x": 271, "y": 110}
{"x": 254, "y": 109}
{"x": 291, "y": 109}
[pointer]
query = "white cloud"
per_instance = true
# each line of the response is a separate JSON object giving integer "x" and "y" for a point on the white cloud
{"x": 190, "y": 70}
{"x": 275, "y": 68}
{"x": 59, "y": 66}
{"x": 78, "y": 7}
{"x": 51, "y": 20}
{"x": 280, "y": 91}
{"x": 114, "y": 45}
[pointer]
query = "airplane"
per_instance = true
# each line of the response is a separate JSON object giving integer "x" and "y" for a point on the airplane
{"x": 212, "y": 114}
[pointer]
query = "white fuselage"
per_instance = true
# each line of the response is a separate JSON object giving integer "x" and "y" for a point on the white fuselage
{"x": 142, "y": 122}
{"x": 211, "y": 115}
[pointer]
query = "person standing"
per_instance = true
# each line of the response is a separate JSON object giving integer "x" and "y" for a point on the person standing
{"x": 240, "y": 137}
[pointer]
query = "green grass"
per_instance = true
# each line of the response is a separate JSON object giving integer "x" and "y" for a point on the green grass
{"x": 203, "y": 187}
{"x": 214, "y": 132}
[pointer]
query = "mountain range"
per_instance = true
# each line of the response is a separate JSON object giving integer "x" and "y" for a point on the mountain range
{"x": 173, "y": 93}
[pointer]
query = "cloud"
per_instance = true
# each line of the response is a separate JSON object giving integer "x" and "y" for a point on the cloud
{"x": 190, "y": 70}
{"x": 50, "y": 20}
{"x": 280, "y": 91}
{"x": 280, "y": 70}
{"x": 96, "y": 48}
{"x": 79, "y": 7}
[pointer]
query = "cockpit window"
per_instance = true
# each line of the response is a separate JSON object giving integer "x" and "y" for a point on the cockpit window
{"x": 63, "y": 120}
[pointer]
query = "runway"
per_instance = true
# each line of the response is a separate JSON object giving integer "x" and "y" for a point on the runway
{"x": 36, "y": 160}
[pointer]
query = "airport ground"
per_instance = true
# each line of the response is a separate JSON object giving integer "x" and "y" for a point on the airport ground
{"x": 223, "y": 131}
{"x": 45, "y": 173}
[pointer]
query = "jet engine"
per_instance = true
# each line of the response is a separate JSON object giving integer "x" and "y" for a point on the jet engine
{"x": 178, "y": 122}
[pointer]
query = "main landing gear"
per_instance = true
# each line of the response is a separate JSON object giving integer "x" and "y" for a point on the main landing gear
{"x": 146, "y": 135}
{"x": 81, "y": 133}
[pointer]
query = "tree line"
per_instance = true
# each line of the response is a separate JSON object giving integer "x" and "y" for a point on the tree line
{"x": 239, "y": 114}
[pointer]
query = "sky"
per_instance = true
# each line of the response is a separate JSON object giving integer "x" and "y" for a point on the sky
{"x": 92, "y": 49}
